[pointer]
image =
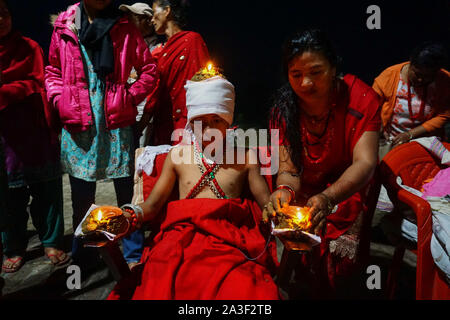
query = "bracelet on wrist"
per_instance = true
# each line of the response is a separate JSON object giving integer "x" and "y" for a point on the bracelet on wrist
{"x": 410, "y": 135}
{"x": 288, "y": 188}
{"x": 136, "y": 213}
{"x": 330, "y": 205}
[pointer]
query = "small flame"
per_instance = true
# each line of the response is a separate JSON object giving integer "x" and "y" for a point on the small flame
{"x": 210, "y": 66}
{"x": 302, "y": 218}
{"x": 299, "y": 216}
{"x": 99, "y": 215}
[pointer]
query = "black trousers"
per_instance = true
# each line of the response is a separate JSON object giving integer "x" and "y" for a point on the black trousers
{"x": 83, "y": 196}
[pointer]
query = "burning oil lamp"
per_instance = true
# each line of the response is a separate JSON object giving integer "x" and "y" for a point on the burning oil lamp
{"x": 296, "y": 217}
{"x": 105, "y": 218}
{"x": 207, "y": 72}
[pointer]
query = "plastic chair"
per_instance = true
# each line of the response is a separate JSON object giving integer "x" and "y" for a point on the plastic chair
{"x": 414, "y": 164}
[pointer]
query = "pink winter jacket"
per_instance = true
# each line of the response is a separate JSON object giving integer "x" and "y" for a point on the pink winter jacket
{"x": 67, "y": 84}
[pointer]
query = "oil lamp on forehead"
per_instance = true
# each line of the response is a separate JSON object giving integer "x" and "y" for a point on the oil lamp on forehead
{"x": 209, "y": 71}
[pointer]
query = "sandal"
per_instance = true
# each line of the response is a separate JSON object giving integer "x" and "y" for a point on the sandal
{"x": 59, "y": 258}
{"x": 16, "y": 263}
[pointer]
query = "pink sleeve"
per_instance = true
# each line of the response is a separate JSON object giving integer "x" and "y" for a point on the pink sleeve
{"x": 53, "y": 76}
{"x": 146, "y": 67}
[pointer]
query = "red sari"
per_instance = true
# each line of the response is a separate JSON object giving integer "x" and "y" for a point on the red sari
{"x": 199, "y": 254}
{"x": 181, "y": 57}
{"x": 326, "y": 158}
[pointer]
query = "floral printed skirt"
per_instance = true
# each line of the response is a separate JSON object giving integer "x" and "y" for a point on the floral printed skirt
{"x": 97, "y": 153}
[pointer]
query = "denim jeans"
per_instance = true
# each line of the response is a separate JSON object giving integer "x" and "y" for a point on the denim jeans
{"x": 133, "y": 246}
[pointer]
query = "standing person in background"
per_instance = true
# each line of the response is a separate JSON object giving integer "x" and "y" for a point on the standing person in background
{"x": 141, "y": 15}
{"x": 416, "y": 95}
{"x": 86, "y": 82}
{"x": 182, "y": 56}
{"x": 31, "y": 150}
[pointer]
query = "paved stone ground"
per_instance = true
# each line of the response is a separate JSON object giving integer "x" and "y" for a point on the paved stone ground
{"x": 39, "y": 279}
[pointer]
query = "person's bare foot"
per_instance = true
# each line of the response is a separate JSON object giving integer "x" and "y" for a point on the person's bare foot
{"x": 12, "y": 264}
{"x": 56, "y": 256}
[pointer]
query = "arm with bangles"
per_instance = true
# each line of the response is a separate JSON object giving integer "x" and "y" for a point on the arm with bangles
{"x": 288, "y": 184}
{"x": 428, "y": 128}
{"x": 365, "y": 157}
{"x": 148, "y": 210}
{"x": 407, "y": 136}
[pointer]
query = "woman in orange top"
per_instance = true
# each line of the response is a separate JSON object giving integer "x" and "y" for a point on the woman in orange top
{"x": 416, "y": 95}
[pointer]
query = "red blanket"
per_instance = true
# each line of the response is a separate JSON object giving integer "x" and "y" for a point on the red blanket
{"x": 199, "y": 255}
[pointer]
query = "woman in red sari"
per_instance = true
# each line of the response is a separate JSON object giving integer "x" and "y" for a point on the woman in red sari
{"x": 182, "y": 56}
{"x": 328, "y": 148}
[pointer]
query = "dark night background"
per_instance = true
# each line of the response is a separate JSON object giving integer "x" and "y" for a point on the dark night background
{"x": 245, "y": 37}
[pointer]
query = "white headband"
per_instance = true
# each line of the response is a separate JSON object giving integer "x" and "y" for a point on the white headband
{"x": 210, "y": 96}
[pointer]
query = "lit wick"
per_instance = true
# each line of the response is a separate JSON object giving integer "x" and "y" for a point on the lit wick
{"x": 99, "y": 215}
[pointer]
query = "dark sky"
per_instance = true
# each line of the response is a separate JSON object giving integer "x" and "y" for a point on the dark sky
{"x": 245, "y": 37}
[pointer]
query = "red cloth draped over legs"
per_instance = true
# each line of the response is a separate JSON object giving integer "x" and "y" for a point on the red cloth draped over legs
{"x": 330, "y": 267}
{"x": 197, "y": 255}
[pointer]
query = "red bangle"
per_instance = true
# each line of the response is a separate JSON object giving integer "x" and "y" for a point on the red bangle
{"x": 133, "y": 217}
{"x": 288, "y": 188}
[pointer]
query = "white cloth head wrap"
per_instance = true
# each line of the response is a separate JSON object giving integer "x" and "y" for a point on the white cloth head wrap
{"x": 210, "y": 96}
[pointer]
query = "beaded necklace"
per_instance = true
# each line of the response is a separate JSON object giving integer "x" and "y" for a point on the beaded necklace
{"x": 306, "y": 137}
{"x": 208, "y": 176}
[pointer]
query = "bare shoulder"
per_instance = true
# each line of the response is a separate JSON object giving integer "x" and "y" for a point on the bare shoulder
{"x": 181, "y": 154}
{"x": 181, "y": 148}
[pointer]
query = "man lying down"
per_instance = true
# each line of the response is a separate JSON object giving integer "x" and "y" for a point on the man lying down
{"x": 210, "y": 245}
